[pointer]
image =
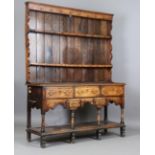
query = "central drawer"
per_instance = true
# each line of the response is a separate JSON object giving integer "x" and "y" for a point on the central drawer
{"x": 59, "y": 92}
{"x": 87, "y": 91}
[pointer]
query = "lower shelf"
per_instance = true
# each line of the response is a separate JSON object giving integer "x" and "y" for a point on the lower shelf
{"x": 83, "y": 127}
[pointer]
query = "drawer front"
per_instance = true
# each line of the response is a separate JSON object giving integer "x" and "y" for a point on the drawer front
{"x": 112, "y": 90}
{"x": 87, "y": 91}
{"x": 59, "y": 92}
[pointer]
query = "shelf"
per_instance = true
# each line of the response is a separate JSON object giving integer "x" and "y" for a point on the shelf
{"x": 70, "y": 65}
{"x": 83, "y": 127}
{"x": 71, "y": 34}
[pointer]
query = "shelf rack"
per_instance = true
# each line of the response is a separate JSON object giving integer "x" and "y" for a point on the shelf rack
{"x": 71, "y": 34}
{"x": 71, "y": 65}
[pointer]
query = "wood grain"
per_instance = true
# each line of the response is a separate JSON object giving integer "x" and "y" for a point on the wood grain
{"x": 68, "y": 11}
{"x": 32, "y": 47}
{"x": 40, "y": 47}
{"x": 87, "y": 91}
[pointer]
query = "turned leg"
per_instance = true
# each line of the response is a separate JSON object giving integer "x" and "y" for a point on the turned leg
{"x": 28, "y": 121}
{"x": 43, "y": 138}
{"x": 98, "y": 132}
{"x": 72, "y": 125}
{"x": 43, "y": 141}
{"x": 72, "y": 119}
{"x": 122, "y": 129}
{"x": 105, "y": 117}
{"x": 72, "y": 137}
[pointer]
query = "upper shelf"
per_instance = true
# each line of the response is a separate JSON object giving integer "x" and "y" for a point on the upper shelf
{"x": 71, "y": 65}
{"x": 70, "y": 34}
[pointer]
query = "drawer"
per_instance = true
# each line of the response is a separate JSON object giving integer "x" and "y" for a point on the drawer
{"x": 59, "y": 92}
{"x": 87, "y": 91}
{"x": 112, "y": 90}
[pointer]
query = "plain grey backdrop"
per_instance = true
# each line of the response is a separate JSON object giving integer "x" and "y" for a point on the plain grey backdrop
{"x": 126, "y": 68}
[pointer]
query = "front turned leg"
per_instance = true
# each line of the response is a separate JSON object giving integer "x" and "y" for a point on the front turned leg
{"x": 105, "y": 117}
{"x": 122, "y": 129}
{"x": 72, "y": 126}
{"x": 98, "y": 132}
{"x": 43, "y": 141}
{"x": 43, "y": 138}
{"x": 72, "y": 137}
{"x": 28, "y": 121}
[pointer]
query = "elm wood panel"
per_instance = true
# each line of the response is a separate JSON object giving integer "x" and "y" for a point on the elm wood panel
{"x": 84, "y": 53}
{"x": 108, "y": 54}
{"x": 98, "y": 73}
{"x": 70, "y": 58}
{"x": 63, "y": 46}
{"x": 68, "y": 54}
{"x": 77, "y": 59}
{"x": 32, "y": 47}
{"x": 89, "y": 74}
{"x": 106, "y": 50}
{"x": 49, "y": 72}
{"x": 102, "y": 56}
{"x": 68, "y": 11}
{"x": 56, "y": 59}
{"x": 98, "y": 54}
{"x": 71, "y": 55}
{"x": 91, "y": 30}
{"x": 112, "y": 90}
{"x": 63, "y": 50}
{"x": 107, "y": 74}
{"x": 56, "y": 46}
{"x": 40, "y": 47}
{"x": 96, "y": 50}
{"x": 52, "y": 47}
{"x": 97, "y": 27}
{"x": 109, "y": 27}
{"x": 103, "y": 27}
{"x": 82, "y": 127}
{"x": 77, "y": 27}
{"x": 82, "y": 27}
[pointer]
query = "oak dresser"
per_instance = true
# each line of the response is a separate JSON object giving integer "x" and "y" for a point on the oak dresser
{"x": 68, "y": 63}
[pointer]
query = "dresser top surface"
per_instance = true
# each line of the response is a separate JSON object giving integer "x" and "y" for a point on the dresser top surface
{"x": 75, "y": 84}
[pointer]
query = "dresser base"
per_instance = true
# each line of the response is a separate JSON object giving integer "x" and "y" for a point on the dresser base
{"x": 79, "y": 128}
